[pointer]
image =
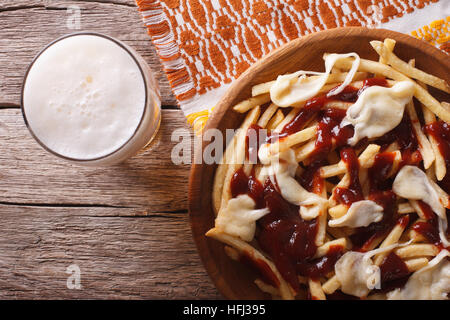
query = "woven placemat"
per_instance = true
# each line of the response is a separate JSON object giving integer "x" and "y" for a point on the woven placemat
{"x": 205, "y": 44}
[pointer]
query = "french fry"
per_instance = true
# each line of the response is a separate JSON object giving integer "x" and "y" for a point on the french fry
{"x": 405, "y": 208}
{"x": 373, "y": 243}
{"x": 408, "y": 70}
{"x": 288, "y": 118}
{"x": 366, "y": 155}
{"x": 440, "y": 168}
{"x": 333, "y": 170}
{"x": 396, "y": 163}
{"x": 322, "y": 219}
{"x": 392, "y": 147}
{"x": 276, "y": 120}
{"x": 343, "y": 183}
{"x": 417, "y": 250}
{"x": 416, "y": 264}
{"x": 267, "y": 115}
{"x": 415, "y": 236}
{"x": 252, "y": 102}
{"x": 291, "y": 140}
{"x": 335, "y": 70}
{"x": 315, "y": 288}
{"x": 446, "y": 105}
{"x": 331, "y": 285}
{"x": 424, "y": 145}
{"x": 305, "y": 150}
{"x": 238, "y": 155}
{"x": 389, "y": 44}
{"x": 267, "y": 288}
{"x": 325, "y": 248}
{"x": 340, "y": 77}
{"x": 366, "y": 160}
{"x": 262, "y": 88}
{"x": 262, "y": 122}
{"x": 242, "y": 246}
{"x": 220, "y": 174}
{"x": 338, "y": 211}
{"x": 428, "y": 116}
{"x": 391, "y": 239}
{"x": 329, "y": 104}
{"x": 443, "y": 196}
{"x": 418, "y": 209}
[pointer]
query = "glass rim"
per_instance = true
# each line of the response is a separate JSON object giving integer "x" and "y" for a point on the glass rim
{"x": 36, "y": 57}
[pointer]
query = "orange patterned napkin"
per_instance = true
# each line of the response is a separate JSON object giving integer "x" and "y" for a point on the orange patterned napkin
{"x": 205, "y": 44}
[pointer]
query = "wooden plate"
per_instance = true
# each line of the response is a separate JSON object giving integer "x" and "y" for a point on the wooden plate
{"x": 232, "y": 279}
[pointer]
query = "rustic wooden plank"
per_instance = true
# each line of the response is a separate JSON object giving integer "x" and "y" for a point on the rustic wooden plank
{"x": 126, "y": 227}
{"x": 150, "y": 180}
{"x": 139, "y": 258}
{"x": 12, "y": 5}
{"x": 27, "y": 26}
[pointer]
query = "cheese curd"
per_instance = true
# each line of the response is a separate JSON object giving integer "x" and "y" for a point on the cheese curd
{"x": 295, "y": 88}
{"x": 378, "y": 110}
{"x": 281, "y": 171}
{"x": 431, "y": 282}
{"x": 239, "y": 217}
{"x": 360, "y": 214}
{"x": 412, "y": 183}
{"x": 357, "y": 273}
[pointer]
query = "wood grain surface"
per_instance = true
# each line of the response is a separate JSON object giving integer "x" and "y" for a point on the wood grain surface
{"x": 126, "y": 227}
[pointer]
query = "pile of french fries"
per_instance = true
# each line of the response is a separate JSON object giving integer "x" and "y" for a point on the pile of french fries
{"x": 417, "y": 254}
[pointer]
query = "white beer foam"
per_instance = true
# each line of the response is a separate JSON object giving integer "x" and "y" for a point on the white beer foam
{"x": 84, "y": 97}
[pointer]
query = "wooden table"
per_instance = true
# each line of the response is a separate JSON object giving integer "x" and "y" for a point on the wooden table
{"x": 126, "y": 227}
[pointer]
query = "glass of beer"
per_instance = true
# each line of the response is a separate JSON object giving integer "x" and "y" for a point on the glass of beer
{"x": 91, "y": 99}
